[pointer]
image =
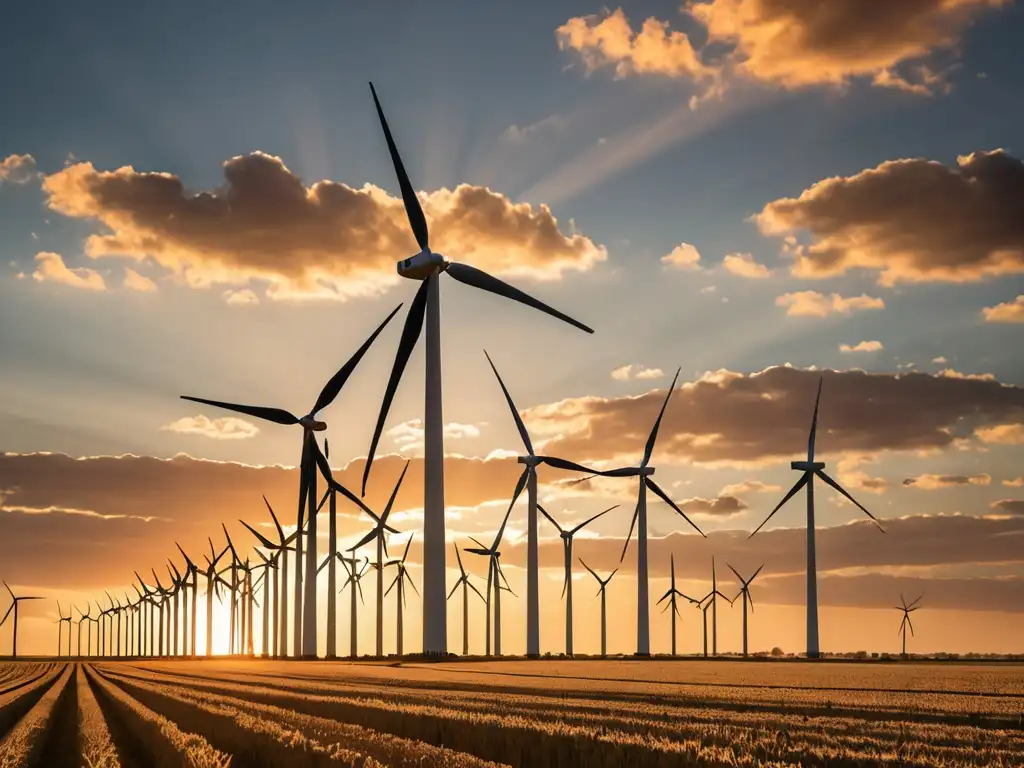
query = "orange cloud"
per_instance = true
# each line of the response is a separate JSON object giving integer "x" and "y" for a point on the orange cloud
{"x": 17, "y": 169}
{"x": 734, "y": 418}
{"x": 743, "y": 265}
{"x": 1009, "y": 506}
{"x": 814, "y": 304}
{"x": 1002, "y": 434}
{"x": 136, "y": 282}
{"x": 225, "y": 428}
{"x": 683, "y": 256}
{"x": 50, "y": 268}
{"x": 863, "y": 346}
{"x": 327, "y": 240}
{"x": 1007, "y": 312}
{"x": 723, "y": 506}
{"x": 627, "y": 372}
{"x": 1017, "y": 482}
{"x": 910, "y": 221}
{"x": 937, "y": 482}
{"x": 241, "y": 298}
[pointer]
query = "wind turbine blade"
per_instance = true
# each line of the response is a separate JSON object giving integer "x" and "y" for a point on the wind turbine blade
{"x": 629, "y": 535}
{"x": 497, "y": 567}
{"x": 480, "y": 551}
{"x": 4, "y": 619}
{"x": 652, "y": 438}
{"x": 188, "y": 562}
{"x": 280, "y": 531}
{"x": 263, "y": 540}
{"x": 388, "y": 590}
{"x": 394, "y": 494}
{"x": 407, "y": 545}
{"x": 337, "y": 381}
{"x": 821, "y": 473}
{"x": 814, "y": 423}
{"x": 550, "y": 518}
{"x": 737, "y": 574}
{"x": 454, "y": 588}
{"x": 479, "y": 279}
{"x": 590, "y": 569}
{"x": 750, "y": 581}
{"x": 323, "y": 500}
{"x": 750, "y": 600}
{"x": 359, "y": 589}
{"x": 911, "y": 625}
{"x": 792, "y": 492}
{"x": 458, "y": 557}
{"x": 664, "y": 497}
{"x": 473, "y": 587}
{"x": 276, "y": 415}
{"x": 592, "y": 519}
{"x": 477, "y": 542}
{"x": 501, "y": 530}
{"x": 325, "y": 470}
{"x": 911, "y": 606}
{"x": 9, "y": 591}
{"x": 512, "y": 407}
{"x": 902, "y": 623}
{"x": 664, "y": 597}
{"x": 410, "y": 335}
{"x": 365, "y": 540}
{"x": 569, "y": 466}
{"x": 410, "y": 582}
{"x": 417, "y": 220}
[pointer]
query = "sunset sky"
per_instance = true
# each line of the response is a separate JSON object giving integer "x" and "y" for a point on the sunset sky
{"x": 199, "y": 200}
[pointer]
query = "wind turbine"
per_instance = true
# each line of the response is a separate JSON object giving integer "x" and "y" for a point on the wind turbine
{"x": 132, "y": 610}
{"x": 305, "y": 617}
{"x": 466, "y": 586}
{"x": 189, "y": 634}
{"x": 494, "y": 576}
{"x": 400, "y": 596}
{"x": 710, "y": 600}
{"x": 907, "y": 610}
{"x": 604, "y": 616}
{"x": 528, "y": 479}
{"x": 234, "y": 567}
{"x": 747, "y": 597}
{"x": 211, "y": 586}
{"x": 671, "y": 596}
{"x": 427, "y": 267}
{"x": 379, "y": 532}
{"x": 88, "y": 630}
{"x": 149, "y": 596}
{"x": 567, "y": 550}
{"x": 81, "y": 618}
{"x": 280, "y": 558}
{"x": 60, "y": 630}
{"x": 14, "y": 607}
{"x": 163, "y": 594}
{"x": 267, "y": 564}
{"x": 177, "y": 585}
{"x": 354, "y": 578}
{"x": 809, "y": 470}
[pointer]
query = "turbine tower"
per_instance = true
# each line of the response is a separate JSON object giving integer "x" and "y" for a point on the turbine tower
{"x": 604, "y": 615}
{"x": 494, "y": 576}
{"x": 355, "y": 579}
{"x": 466, "y": 586}
{"x": 427, "y": 266}
{"x": 280, "y": 551}
{"x": 567, "y": 551}
{"x": 60, "y": 630}
{"x": 379, "y": 533}
{"x": 809, "y": 470}
{"x": 400, "y": 595}
{"x": 907, "y": 610}
{"x": 529, "y": 480}
{"x": 305, "y": 603}
{"x": 189, "y": 633}
{"x": 671, "y": 596}
{"x": 212, "y": 578}
{"x": 747, "y": 597}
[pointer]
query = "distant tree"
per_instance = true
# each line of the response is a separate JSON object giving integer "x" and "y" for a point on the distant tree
{"x": 776, "y": 651}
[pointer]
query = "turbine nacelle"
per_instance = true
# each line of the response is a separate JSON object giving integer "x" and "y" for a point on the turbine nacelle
{"x": 312, "y": 424}
{"x": 422, "y": 265}
{"x": 530, "y": 461}
{"x": 644, "y": 471}
{"x": 807, "y": 466}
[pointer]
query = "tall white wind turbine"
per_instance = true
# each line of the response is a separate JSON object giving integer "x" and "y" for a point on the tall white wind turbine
{"x": 809, "y": 470}
{"x": 427, "y": 267}
{"x": 566, "y": 536}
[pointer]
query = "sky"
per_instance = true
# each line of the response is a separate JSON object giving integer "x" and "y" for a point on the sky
{"x": 762, "y": 194}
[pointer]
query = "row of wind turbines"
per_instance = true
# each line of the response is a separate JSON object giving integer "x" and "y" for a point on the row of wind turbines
{"x": 424, "y": 311}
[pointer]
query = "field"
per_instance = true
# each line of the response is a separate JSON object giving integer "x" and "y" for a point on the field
{"x": 517, "y": 713}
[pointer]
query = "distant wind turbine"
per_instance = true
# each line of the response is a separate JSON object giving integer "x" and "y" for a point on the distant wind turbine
{"x": 189, "y": 633}
{"x": 466, "y": 586}
{"x": 809, "y": 470}
{"x": 907, "y": 610}
{"x": 671, "y": 596}
{"x": 14, "y": 608}
{"x": 604, "y": 615}
{"x": 60, "y": 628}
{"x": 280, "y": 550}
{"x": 494, "y": 576}
{"x": 710, "y": 600}
{"x": 400, "y": 595}
{"x": 305, "y": 615}
{"x": 355, "y": 579}
{"x": 211, "y": 587}
{"x": 567, "y": 551}
{"x": 747, "y": 597}
{"x": 427, "y": 267}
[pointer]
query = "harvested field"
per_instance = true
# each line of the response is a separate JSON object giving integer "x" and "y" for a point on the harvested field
{"x": 516, "y": 713}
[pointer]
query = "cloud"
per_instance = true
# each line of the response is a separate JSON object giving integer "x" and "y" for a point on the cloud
{"x": 1009, "y": 506}
{"x": 17, "y": 169}
{"x": 50, "y": 268}
{"x": 910, "y": 221}
{"x": 224, "y": 428}
{"x": 936, "y": 482}
{"x": 749, "y": 486}
{"x": 949, "y": 373}
{"x": 1017, "y": 482}
{"x": 723, "y": 506}
{"x": 795, "y": 43}
{"x": 515, "y": 134}
{"x": 326, "y": 240}
{"x": 241, "y": 298}
{"x": 744, "y": 265}
{"x": 1002, "y": 434}
{"x": 1007, "y": 312}
{"x": 863, "y": 346}
{"x": 609, "y": 40}
{"x": 627, "y": 372}
{"x": 409, "y": 434}
{"x": 683, "y": 256}
{"x": 736, "y": 418}
{"x": 814, "y": 304}
{"x": 136, "y": 282}
{"x": 939, "y": 360}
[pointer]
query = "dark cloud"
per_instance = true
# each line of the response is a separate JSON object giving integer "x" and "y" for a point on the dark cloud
{"x": 1009, "y": 506}
{"x": 723, "y": 506}
{"x": 326, "y": 240}
{"x": 734, "y": 418}
{"x": 936, "y": 482}
{"x": 910, "y": 220}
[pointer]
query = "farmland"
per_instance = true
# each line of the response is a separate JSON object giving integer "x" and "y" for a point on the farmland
{"x": 518, "y": 713}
